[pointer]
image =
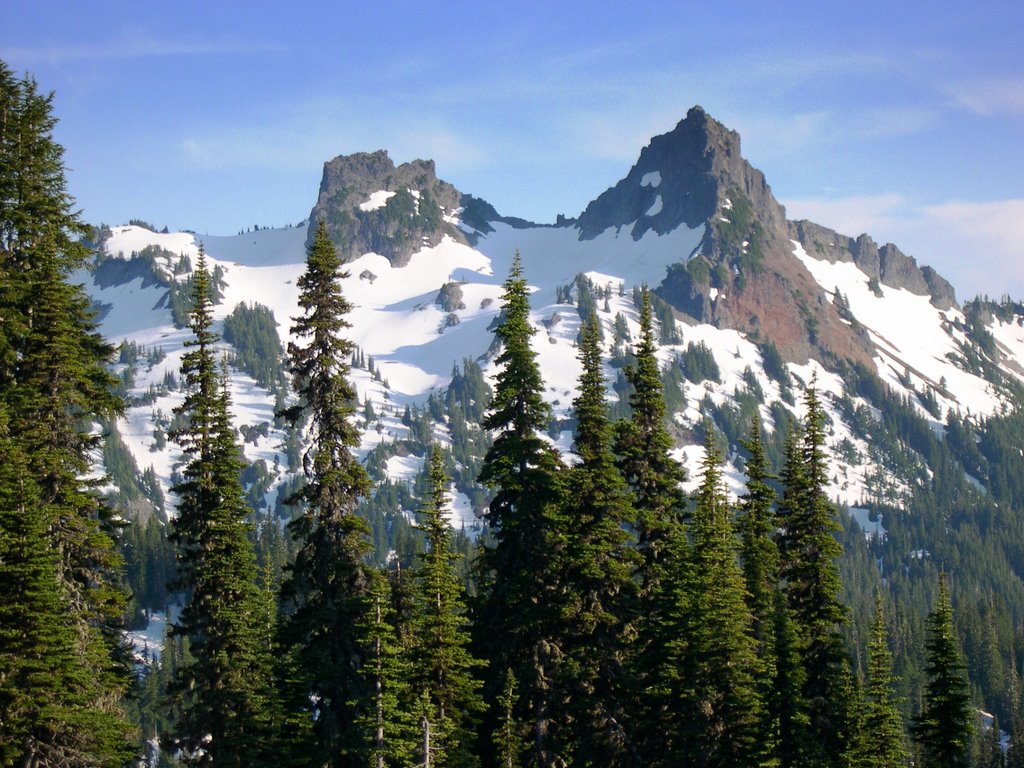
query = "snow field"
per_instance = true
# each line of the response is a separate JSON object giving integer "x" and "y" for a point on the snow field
{"x": 414, "y": 342}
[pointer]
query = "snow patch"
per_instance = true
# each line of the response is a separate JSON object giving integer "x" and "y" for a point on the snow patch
{"x": 377, "y": 200}
{"x": 655, "y": 208}
{"x": 651, "y": 179}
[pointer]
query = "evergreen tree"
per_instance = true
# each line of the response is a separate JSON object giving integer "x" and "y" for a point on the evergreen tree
{"x": 47, "y": 693}
{"x": 787, "y": 711}
{"x": 443, "y": 668}
{"x": 883, "y": 744}
{"x": 809, "y": 550}
{"x": 598, "y": 588}
{"x": 518, "y": 625}
{"x": 943, "y": 729}
{"x": 759, "y": 552}
{"x": 719, "y": 709}
{"x": 510, "y": 735}
{"x": 53, "y": 388}
{"x": 643, "y": 445}
{"x": 325, "y": 590}
{"x": 222, "y": 696}
{"x": 760, "y": 557}
{"x": 386, "y": 721}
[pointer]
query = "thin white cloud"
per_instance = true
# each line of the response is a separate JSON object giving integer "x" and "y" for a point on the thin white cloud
{"x": 978, "y": 246}
{"x": 284, "y": 141}
{"x": 133, "y": 46}
{"x": 850, "y": 215}
{"x": 990, "y": 96}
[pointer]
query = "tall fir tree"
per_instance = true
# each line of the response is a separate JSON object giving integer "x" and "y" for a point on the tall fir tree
{"x": 509, "y": 738}
{"x": 387, "y": 720}
{"x": 643, "y": 445}
{"x": 598, "y": 593}
{"x": 943, "y": 729}
{"x": 787, "y": 711}
{"x": 717, "y": 704}
{"x": 443, "y": 668}
{"x": 47, "y": 716}
{"x": 324, "y": 594}
{"x": 809, "y": 551}
{"x": 883, "y": 744}
{"x": 518, "y": 625}
{"x": 54, "y": 387}
{"x": 223, "y": 696}
{"x": 759, "y": 554}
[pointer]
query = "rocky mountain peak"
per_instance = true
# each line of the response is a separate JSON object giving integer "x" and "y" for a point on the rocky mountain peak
{"x": 369, "y": 204}
{"x": 683, "y": 177}
{"x": 886, "y": 264}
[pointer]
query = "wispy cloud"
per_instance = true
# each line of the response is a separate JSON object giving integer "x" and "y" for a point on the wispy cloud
{"x": 990, "y": 96}
{"x": 851, "y": 215}
{"x": 979, "y": 246}
{"x": 284, "y": 141}
{"x": 133, "y": 46}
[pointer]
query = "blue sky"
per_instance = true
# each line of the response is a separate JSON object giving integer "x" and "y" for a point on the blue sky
{"x": 900, "y": 119}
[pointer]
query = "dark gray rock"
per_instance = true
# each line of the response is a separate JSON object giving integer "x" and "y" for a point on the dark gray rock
{"x": 700, "y": 164}
{"x": 888, "y": 264}
{"x": 865, "y": 256}
{"x": 449, "y": 298}
{"x": 413, "y": 218}
{"x": 900, "y": 270}
{"x": 941, "y": 290}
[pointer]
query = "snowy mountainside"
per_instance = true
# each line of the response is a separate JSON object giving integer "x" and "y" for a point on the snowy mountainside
{"x": 752, "y": 309}
{"x": 415, "y": 342}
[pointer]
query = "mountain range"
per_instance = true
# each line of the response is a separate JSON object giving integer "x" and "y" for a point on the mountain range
{"x": 775, "y": 303}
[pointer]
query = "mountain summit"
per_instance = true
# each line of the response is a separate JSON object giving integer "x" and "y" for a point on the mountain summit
{"x": 749, "y": 305}
{"x": 682, "y": 177}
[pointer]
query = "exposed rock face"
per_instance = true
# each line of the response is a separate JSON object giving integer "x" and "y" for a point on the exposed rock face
{"x": 449, "y": 298}
{"x": 888, "y": 264}
{"x": 394, "y": 225}
{"x": 744, "y": 274}
{"x": 691, "y": 170}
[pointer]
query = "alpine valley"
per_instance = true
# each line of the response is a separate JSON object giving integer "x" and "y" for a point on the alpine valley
{"x": 922, "y": 392}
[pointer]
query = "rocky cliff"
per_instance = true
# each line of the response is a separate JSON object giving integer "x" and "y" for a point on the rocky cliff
{"x": 369, "y": 204}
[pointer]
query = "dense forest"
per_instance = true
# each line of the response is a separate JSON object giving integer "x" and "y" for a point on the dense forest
{"x": 604, "y": 618}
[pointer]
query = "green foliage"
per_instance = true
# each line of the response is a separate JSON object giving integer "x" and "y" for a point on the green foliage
{"x": 883, "y": 744}
{"x": 223, "y": 699}
{"x": 386, "y": 721}
{"x": 943, "y": 728}
{"x": 809, "y": 551}
{"x": 666, "y": 320}
{"x": 47, "y": 694}
{"x": 252, "y": 331}
{"x": 642, "y": 445}
{"x": 443, "y": 670}
{"x": 709, "y": 682}
{"x": 698, "y": 363}
{"x": 516, "y": 623}
{"x": 598, "y": 593}
{"x": 741, "y": 236}
{"x": 757, "y": 526}
{"x": 61, "y": 675}
{"x": 323, "y": 594}
{"x": 180, "y": 295}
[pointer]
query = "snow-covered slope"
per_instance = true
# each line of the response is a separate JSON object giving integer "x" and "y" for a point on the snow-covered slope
{"x": 691, "y": 219}
{"x": 415, "y": 342}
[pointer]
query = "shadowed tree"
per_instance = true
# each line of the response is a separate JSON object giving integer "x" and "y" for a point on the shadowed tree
{"x": 325, "y": 591}
{"x": 518, "y": 625}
